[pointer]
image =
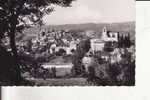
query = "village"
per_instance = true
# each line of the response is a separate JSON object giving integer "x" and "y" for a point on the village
{"x": 67, "y": 43}
{"x": 58, "y": 49}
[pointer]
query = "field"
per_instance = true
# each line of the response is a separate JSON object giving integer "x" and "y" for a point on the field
{"x": 61, "y": 82}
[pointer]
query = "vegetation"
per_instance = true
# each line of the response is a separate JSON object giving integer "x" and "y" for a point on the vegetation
{"x": 78, "y": 68}
{"x": 15, "y": 15}
{"x": 61, "y": 52}
{"x": 124, "y": 41}
{"x": 112, "y": 74}
{"x": 108, "y": 47}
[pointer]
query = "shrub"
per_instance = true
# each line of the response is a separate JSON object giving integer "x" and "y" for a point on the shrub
{"x": 116, "y": 74}
{"x": 108, "y": 47}
{"x": 61, "y": 52}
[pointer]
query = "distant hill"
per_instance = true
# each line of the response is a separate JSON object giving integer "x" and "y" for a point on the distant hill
{"x": 124, "y": 27}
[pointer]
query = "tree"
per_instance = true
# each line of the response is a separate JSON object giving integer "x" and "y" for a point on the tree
{"x": 72, "y": 50}
{"x": 83, "y": 47}
{"x": 119, "y": 40}
{"x": 61, "y": 52}
{"x": 108, "y": 47}
{"x": 15, "y": 15}
{"x": 128, "y": 40}
{"x": 53, "y": 69}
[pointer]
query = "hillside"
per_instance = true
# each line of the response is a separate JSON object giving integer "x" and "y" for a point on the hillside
{"x": 125, "y": 27}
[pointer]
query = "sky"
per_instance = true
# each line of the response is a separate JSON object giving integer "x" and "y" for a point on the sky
{"x": 93, "y": 11}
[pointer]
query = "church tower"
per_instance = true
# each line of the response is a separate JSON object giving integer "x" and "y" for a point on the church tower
{"x": 104, "y": 33}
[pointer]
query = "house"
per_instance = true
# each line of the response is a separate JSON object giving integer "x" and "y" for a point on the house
{"x": 97, "y": 45}
{"x": 51, "y": 65}
{"x": 68, "y": 49}
{"x": 52, "y": 48}
{"x": 73, "y": 44}
{"x": 62, "y": 69}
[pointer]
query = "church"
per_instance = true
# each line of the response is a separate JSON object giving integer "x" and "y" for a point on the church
{"x": 97, "y": 44}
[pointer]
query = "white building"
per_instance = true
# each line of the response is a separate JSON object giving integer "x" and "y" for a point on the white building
{"x": 73, "y": 44}
{"x": 116, "y": 56}
{"x": 97, "y": 45}
{"x": 53, "y": 48}
{"x": 67, "y": 65}
{"x": 62, "y": 69}
{"x": 109, "y": 36}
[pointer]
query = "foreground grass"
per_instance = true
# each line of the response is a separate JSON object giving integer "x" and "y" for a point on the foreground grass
{"x": 61, "y": 82}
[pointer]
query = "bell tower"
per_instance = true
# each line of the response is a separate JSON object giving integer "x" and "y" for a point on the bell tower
{"x": 104, "y": 33}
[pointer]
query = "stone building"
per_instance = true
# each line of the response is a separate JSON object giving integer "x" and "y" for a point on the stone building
{"x": 97, "y": 44}
{"x": 109, "y": 36}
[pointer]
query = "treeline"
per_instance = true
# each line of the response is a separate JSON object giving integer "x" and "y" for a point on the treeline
{"x": 124, "y": 40}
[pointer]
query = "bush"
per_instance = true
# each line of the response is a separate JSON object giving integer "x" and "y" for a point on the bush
{"x": 8, "y": 73}
{"x": 78, "y": 68}
{"x": 61, "y": 52}
{"x": 108, "y": 47}
{"x": 116, "y": 74}
{"x": 53, "y": 69}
